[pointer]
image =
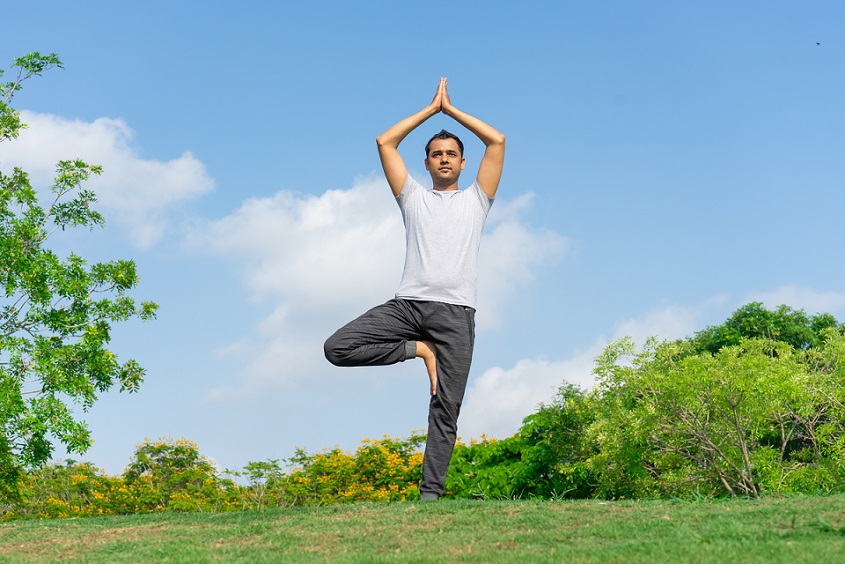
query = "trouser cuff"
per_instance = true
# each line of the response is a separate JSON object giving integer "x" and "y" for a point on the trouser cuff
{"x": 410, "y": 349}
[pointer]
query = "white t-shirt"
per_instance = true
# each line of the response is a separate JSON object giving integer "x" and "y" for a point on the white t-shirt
{"x": 442, "y": 235}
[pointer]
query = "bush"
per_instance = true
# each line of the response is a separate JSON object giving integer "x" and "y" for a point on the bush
{"x": 759, "y": 409}
{"x": 545, "y": 459}
{"x": 389, "y": 469}
{"x": 167, "y": 474}
{"x": 754, "y": 417}
{"x": 164, "y": 475}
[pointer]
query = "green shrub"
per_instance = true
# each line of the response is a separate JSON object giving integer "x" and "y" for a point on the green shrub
{"x": 754, "y": 417}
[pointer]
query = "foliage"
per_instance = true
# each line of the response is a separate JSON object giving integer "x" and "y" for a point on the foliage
{"x": 752, "y": 320}
{"x": 389, "y": 469}
{"x": 667, "y": 419}
{"x": 167, "y": 474}
{"x": 265, "y": 481}
{"x": 545, "y": 459}
{"x": 55, "y": 314}
{"x": 29, "y": 65}
{"x": 557, "y": 451}
{"x": 164, "y": 475}
{"x": 66, "y": 490}
{"x": 754, "y": 417}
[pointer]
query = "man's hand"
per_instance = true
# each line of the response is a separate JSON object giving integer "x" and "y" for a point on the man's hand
{"x": 490, "y": 168}
{"x": 445, "y": 103}
{"x": 437, "y": 102}
{"x": 388, "y": 142}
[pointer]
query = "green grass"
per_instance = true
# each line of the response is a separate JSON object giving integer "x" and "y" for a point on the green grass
{"x": 798, "y": 529}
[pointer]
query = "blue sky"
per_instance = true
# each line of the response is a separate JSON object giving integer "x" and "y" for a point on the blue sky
{"x": 667, "y": 163}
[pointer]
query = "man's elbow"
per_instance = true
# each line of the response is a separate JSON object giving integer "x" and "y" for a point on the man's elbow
{"x": 382, "y": 141}
{"x": 498, "y": 139}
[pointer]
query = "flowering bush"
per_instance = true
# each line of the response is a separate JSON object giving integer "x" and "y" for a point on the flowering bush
{"x": 164, "y": 475}
{"x": 168, "y": 474}
{"x": 171, "y": 475}
{"x": 389, "y": 469}
{"x": 66, "y": 490}
{"x": 759, "y": 415}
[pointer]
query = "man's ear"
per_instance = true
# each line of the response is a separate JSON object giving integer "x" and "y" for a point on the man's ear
{"x": 463, "y": 163}
{"x": 426, "y": 163}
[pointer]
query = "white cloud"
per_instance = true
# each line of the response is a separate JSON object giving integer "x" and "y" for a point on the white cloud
{"x": 342, "y": 249}
{"x": 511, "y": 252}
{"x": 669, "y": 322}
{"x": 319, "y": 261}
{"x": 139, "y": 193}
{"x": 498, "y": 400}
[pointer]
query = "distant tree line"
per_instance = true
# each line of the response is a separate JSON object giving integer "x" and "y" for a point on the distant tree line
{"x": 751, "y": 407}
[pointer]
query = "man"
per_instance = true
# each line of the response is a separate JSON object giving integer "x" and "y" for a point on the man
{"x": 433, "y": 314}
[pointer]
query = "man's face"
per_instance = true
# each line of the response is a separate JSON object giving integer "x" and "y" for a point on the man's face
{"x": 444, "y": 162}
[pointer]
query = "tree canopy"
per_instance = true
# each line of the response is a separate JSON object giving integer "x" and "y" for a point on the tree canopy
{"x": 753, "y": 405}
{"x": 753, "y": 321}
{"x": 56, "y": 313}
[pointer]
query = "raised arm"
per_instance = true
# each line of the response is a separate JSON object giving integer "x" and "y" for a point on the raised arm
{"x": 490, "y": 168}
{"x": 388, "y": 142}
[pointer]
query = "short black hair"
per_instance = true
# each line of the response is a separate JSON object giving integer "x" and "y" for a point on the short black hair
{"x": 444, "y": 135}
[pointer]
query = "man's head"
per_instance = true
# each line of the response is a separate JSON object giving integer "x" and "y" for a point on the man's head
{"x": 444, "y": 160}
{"x": 444, "y": 135}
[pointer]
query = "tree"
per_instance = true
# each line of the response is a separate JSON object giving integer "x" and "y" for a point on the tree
{"x": 55, "y": 313}
{"x": 755, "y": 417}
{"x": 753, "y": 320}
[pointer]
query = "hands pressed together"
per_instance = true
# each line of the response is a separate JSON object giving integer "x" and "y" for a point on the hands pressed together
{"x": 441, "y": 101}
{"x": 490, "y": 167}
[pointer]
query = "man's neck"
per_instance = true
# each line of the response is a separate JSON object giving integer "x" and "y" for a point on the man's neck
{"x": 446, "y": 188}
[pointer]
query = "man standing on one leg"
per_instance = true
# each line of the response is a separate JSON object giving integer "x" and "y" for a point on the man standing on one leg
{"x": 433, "y": 314}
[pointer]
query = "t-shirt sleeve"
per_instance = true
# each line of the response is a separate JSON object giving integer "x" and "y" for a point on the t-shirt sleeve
{"x": 407, "y": 189}
{"x": 485, "y": 200}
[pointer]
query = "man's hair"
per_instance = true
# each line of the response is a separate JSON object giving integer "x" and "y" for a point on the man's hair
{"x": 445, "y": 135}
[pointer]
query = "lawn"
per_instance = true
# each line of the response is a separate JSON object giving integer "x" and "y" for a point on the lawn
{"x": 796, "y": 529}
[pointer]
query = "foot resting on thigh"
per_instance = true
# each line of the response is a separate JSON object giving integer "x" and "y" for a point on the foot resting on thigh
{"x": 425, "y": 351}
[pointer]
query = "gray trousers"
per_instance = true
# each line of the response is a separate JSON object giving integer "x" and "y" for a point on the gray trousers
{"x": 387, "y": 334}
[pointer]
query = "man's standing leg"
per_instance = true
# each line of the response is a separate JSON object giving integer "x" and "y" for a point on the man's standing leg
{"x": 452, "y": 328}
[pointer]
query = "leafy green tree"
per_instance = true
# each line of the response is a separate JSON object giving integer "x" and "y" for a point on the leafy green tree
{"x": 55, "y": 313}
{"x": 754, "y": 417}
{"x": 264, "y": 479}
{"x": 620, "y": 429}
{"x": 753, "y": 320}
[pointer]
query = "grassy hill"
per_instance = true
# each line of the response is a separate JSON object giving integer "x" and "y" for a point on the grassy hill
{"x": 799, "y": 529}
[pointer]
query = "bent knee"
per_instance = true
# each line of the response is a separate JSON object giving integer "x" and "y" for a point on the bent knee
{"x": 333, "y": 352}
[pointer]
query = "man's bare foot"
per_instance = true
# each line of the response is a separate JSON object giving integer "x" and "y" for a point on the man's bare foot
{"x": 425, "y": 351}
